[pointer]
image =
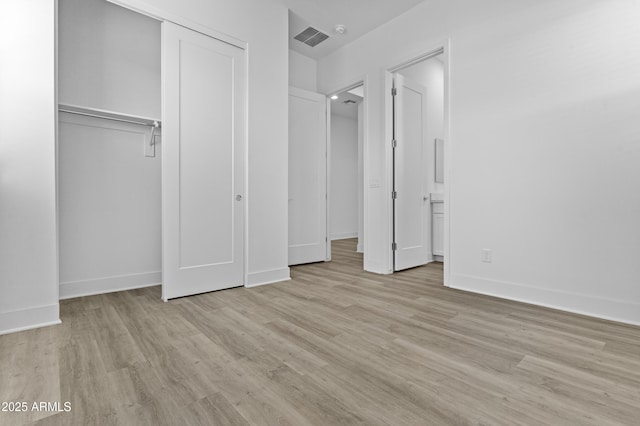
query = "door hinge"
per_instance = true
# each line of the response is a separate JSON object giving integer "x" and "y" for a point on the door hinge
{"x": 394, "y": 143}
{"x": 394, "y": 195}
{"x": 394, "y": 246}
{"x": 394, "y": 91}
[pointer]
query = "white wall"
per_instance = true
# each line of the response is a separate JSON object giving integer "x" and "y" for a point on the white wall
{"x": 28, "y": 264}
{"x": 109, "y": 205}
{"x": 344, "y": 177}
{"x": 109, "y": 58}
{"x": 543, "y": 146}
{"x": 263, "y": 25}
{"x": 302, "y": 71}
{"x": 109, "y": 192}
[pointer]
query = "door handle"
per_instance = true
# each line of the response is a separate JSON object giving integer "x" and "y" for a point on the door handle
{"x": 238, "y": 197}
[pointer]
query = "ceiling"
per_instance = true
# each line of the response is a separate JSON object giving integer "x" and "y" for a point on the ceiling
{"x": 349, "y": 110}
{"x": 359, "y": 17}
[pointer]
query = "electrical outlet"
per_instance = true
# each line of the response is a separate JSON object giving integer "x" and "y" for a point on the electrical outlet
{"x": 487, "y": 256}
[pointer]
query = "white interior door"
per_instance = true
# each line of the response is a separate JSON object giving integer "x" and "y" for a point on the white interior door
{"x": 203, "y": 86}
{"x": 307, "y": 177}
{"x": 411, "y": 202}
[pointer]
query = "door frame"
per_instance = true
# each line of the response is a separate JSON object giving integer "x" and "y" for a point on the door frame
{"x": 443, "y": 50}
{"x": 364, "y": 82}
{"x": 327, "y": 174}
{"x": 403, "y": 85}
{"x": 160, "y": 15}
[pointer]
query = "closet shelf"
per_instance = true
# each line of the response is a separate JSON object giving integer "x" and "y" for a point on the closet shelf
{"x": 109, "y": 115}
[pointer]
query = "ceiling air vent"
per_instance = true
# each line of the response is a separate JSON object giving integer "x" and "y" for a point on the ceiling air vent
{"x": 311, "y": 37}
{"x": 349, "y": 101}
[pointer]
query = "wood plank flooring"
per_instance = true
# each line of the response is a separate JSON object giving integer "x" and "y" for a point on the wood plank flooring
{"x": 333, "y": 346}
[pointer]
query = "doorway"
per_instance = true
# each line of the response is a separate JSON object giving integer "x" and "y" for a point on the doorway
{"x": 346, "y": 159}
{"x": 418, "y": 117}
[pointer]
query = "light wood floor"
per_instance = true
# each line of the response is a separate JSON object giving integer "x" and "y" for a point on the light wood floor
{"x": 333, "y": 346}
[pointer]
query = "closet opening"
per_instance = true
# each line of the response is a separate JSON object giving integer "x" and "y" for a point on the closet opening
{"x": 151, "y": 154}
{"x": 109, "y": 148}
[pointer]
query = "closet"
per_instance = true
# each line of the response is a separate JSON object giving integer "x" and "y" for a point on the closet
{"x": 144, "y": 201}
{"x": 109, "y": 176}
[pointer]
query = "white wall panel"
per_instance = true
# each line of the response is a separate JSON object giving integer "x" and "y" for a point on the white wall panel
{"x": 28, "y": 252}
{"x": 302, "y": 71}
{"x": 109, "y": 58}
{"x": 206, "y": 159}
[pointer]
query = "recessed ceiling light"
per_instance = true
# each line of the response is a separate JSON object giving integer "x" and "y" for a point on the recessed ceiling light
{"x": 334, "y": 97}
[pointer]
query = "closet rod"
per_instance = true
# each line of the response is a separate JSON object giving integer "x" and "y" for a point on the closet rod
{"x": 108, "y": 116}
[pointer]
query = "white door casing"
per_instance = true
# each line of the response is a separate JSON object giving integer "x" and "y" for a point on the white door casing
{"x": 411, "y": 202}
{"x": 203, "y": 163}
{"x": 437, "y": 228}
{"x": 307, "y": 177}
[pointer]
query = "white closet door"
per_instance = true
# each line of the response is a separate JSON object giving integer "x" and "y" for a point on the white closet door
{"x": 203, "y": 138}
{"x": 411, "y": 205}
{"x": 307, "y": 177}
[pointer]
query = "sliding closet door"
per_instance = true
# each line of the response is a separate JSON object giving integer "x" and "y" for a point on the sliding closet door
{"x": 203, "y": 137}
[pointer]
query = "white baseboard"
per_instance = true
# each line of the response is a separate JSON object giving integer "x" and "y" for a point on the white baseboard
{"x": 26, "y": 319}
{"x": 376, "y": 267}
{"x": 256, "y": 279}
{"x": 344, "y": 236}
{"x": 608, "y": 309}
{"x": 360, "y": 248}
{"x": 73, "y": 289}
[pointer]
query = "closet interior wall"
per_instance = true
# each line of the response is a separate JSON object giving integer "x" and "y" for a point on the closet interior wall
{"x": 109, "y": 191}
